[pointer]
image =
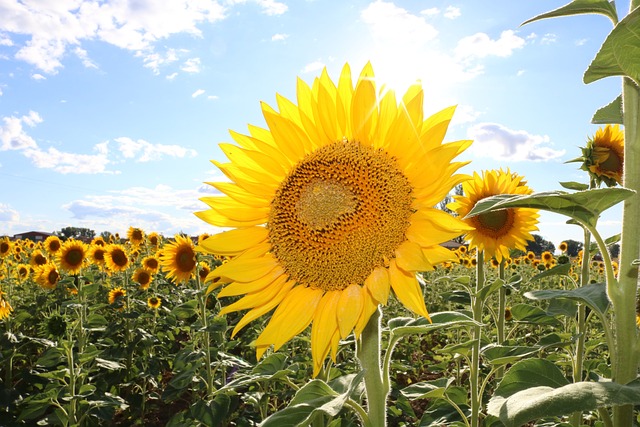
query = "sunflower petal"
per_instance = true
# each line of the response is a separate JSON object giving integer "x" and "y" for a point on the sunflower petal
{"x": 235, "y": 241}
{"x": 378, "y": 284}
{"x": 409, "y": 257}
{"x": 405, "y": 286}
{"x": 325, "y": 324}
{"x": 349, "y": 309}
{"x": 256, "y": 312}
{"x": 245, "y": 270}
{"x": 240, "y": 288}
{"x": 255, "y": 299}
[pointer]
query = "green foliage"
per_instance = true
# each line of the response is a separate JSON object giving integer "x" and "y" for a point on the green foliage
{"x": 539, "y": 245}
{"x": 609, "y": 114}
{"x": 579, "y": 7}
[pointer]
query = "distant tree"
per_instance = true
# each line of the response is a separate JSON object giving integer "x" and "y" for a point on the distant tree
{"x": 614, "y": 250}
{"x": 80, "y": 233}
{"x": 573, "y": 247}
{"x": 539, "y": 245}
{"x": 457, "y": 191}
{"x": 105, "y": 236}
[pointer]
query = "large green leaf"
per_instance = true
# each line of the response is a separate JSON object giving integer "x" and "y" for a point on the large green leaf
{"x": 572, "y": 185}
{"x": 502, "y": 354}
{"x": 545, "y": 401}
{"x": 444, "y": 319}
{"x": 527, "y": 313}
{"x": 428, "y": 389}
{"x": 558, "y": 270}
{"x": 583, "y": 206}
{"x": 609, "y": 114}
{"x": 315, "y": 397}
{"x": 578, "y": 7}
{"x": 593, "y": 294}
{"x": 619, "y": 53}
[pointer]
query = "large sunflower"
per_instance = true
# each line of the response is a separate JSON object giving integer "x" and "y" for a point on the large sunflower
{"x": 47, "y": 275}
{"x": 71, "y": 256}
{"x": 52, "y": 244}
{"x": 496, "y": 233}
{"x": 178, "y": 259}
{"x": 116, "y": 258}
{"x": 331, "y": 207}
{"x": 603, "y": 157}
{"x": 6, "y": 247}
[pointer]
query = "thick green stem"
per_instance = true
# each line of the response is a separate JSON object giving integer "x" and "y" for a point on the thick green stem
{"x": 502, "y": 306}
{"x": 474, "y": 369}
{"x": 623, "y": 293}
{"x": 368, "y": 353}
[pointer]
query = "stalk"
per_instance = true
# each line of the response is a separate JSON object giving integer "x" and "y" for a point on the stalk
{"x": 377, "y": 389}
{"x": 502, "y": 305}
{"x": 474, "y": 369}
{"x": 623, "y": 291}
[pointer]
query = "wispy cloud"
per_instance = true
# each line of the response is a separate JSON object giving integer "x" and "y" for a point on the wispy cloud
{"x": 312, "y": 67}
{"x": 279, "y": 37}
{"x": 501, "y": 143}
{"x": 143, "y": 151}
{"x": 272, "y": 7}
{"x": 12, "y": 134}
{"x": 191, "y": 65}
{"x": 197, "y": 93}
{"x": 480, "y": 45}
{"x": 452, "y": 12}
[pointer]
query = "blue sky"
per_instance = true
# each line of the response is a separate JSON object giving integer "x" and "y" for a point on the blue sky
{"x": 111, "y": 110}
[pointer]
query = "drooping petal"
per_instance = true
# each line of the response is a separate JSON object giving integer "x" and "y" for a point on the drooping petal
{"x": 409, "y": 257}
{"x": 325, "y": 324}
{"x": 405, "y": 286}
{"x": 349, "y": 309}
{"x": 378, "y": 284}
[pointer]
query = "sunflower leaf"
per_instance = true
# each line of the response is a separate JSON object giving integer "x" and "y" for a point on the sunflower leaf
{"x": 609, "y": 114}
{"x": 498, "y": 355}
{"x": 583, "y": 206}
{"x": 558, "y": 270}
{"x": 445, "y": 319}
{"x": 619, "y": 52}
{"x": 579, "y": 7}
{"x": 572, "y": 185}
{"x": 593, "y": 294}
{"x": 428, "y": 389}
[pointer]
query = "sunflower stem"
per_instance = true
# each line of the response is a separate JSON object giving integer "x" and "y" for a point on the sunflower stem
{"x": 368, "y": 354}
{"x": 474, "y": 369}
{"x": 623, "y": 292}
{"x": 502, "y": 305}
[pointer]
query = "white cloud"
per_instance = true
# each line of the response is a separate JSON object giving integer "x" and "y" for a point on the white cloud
{"x": 7, "y": 214}
{"x": 501, "y": 143}
{"x": 65, "y": 163}
{"x": 272, "y": 7}
{"x": 38, "y": 76}
{"x": 391, "y": 24}
{"x": 279, "y": 37}
{"x": 465, "y": 114}
{"x": 452, "y": 12}
{"x": 212, "y": 97}
{"x": 191, "y": 65}
{"x": 520, "y": 73}
{"x": 480, "y": 45}
{"x": 430, "y": 12}
{"x": 12, "y": 134}
{"x": 51, "y": 28}
{"x": 156, "y": 60}
{"x": 581, "y": 42}
{"x": 84, "y": 57}
{"x": 313, "y": 66}
{"x": 5, "y": 40}
{"x": 549, "y": 38}
{"x": 197, "y": 93}
{"x": 172, "y": 76}
{"x": 144, "y": 151}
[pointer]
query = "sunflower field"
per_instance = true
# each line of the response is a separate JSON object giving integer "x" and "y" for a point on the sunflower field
{"x": 330, "y": 293}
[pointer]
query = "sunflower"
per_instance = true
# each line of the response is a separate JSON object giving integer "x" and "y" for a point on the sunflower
{"x": 47, "y": 275}
{"x": 154, "y": 240}
{"x": 154, "y": 302}
{"x": 203, "y": 270}
{"x": 52, "y": 244}
{"x": 497, "y": 232}
{"x": 116, "y": 258}
{"x": 37, "y": 258}
{"x": 97, "y": 253}
{"x": 116, "y": 294}
{"x": 546, "y": 256}
{"x": 563, "y": 246}
{"x": 6, "y": 247}
{"x": 151, "y": 263}
{"x": 5, "y": 308}
{"x": 178, "y": 259}
{"x": 71, "y": 256}
{"x": 23, "y": 271}
{"x": 142, "y": 277}
{"x": 603, "y": 157}
{"x": 331, "y": 207}
{"x": 98, "y": 241}
{"x": 135, "y": 236}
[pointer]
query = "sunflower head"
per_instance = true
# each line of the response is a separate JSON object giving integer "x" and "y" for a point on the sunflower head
{"x": 71, "y": 256}
{"x": 143, "y": 277}
{"x": 98, "y": 241}
{"x": 6, "y": 247}
{"x": 179, "y": 259}
{"x": 331, "y": 207}
{"x": 5, "y": 308}
{"x": 116, "y": 258}
{"x": 151, "y": 263}
{"x": 603, "y": 156}
{"x": 116, "y": 296}
{"x": 497, "y": 232}
{"x": 47, "y": 275}
{"x": 563, "y": 246}
{"x": 97, "y": 254}
{"x": 154, "y": 239}
{"x": 154, "y": 302}
{"x": 52, "y": 244}
{"x": 136, "y": 236}
{"x": 37, "y": 258}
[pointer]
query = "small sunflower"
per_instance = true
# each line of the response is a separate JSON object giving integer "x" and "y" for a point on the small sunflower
{"x": 531, "y": 256}
{"x": 116, "y": 258}
{"x": 603, "y": 157}
{"x": 98, "y": 241}
{"x": 47, "y": 275}
{"x": 154, "y": 239}
{"x": 143, "y": 277}
{"x": 332, "y": 207}
{"x": 116, "y": 294}
{"x": 179, "y": 259}
{"x": 97, "y": 253}
{"x": 154, "y": 303}
{"x": 151, "y": 263}
{"x": 563, "y": 246}
{"x": 6, "y": 247}
{"x": 37, "y": 258}
{"x": 497, "y": 232}
{"x": 23, "y": 271}
{"x": 203, "y": 271}
{"x": 52, "y": 244}
{"x": 546, "y": 256}
{"x": 71, "y": 256}
{"x": 136, "y": 236}
{"x": 5, "y": 308}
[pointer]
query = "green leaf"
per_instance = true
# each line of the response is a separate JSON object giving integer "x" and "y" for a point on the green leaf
{"x": 583, "y": 206}
{"x": 463, "y": 348}
{"x": 619, "y": 53}
{"x": 428, "y": 389}
{"x": 579, "y": 7}
{"x": 185, "y": 310}
{"x": 444, "y": 319}
{"x": 572, "y": 185}
{"x": 609, "y": 114}
{"x": 213, "y": 412}
{"x": 558, "y": 270}
{"x": 109, "y": 364}
{"x": 502, "y": 354}
{"x": 315, "y": 397}
{"x": 530, "y": 373}
{"x": 593, "y": 294}
{"x": 529, "y": 314}
{"x": 489, "y": 289}
{"x": 271, "y": 364}
{"x": 545, "y": 401}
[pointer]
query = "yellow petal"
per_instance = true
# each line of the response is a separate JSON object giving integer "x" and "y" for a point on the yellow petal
{"x": 240, "y": 288}
{"x": 255, "y": 299}
{"x": 368, "y": 308}
{"x": 405, "y": 286}
{"x": 235, "y": 241}
{"x": 409, "y": 257}
{"x": 438, "y": 254}
{"x": 240, "y": 195}
{"x": 364, "y": 111}
{"x": 325, "y": 324}
{"x": 285, "y": 133}
{"x": 219, "y": 220}
{"x": 256, "y": 312}
{"x": 252, "y": 159}
{"x": 246, "y": 270}
{"x": 349, "y": 309}
{"x": 378, "y": 284}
